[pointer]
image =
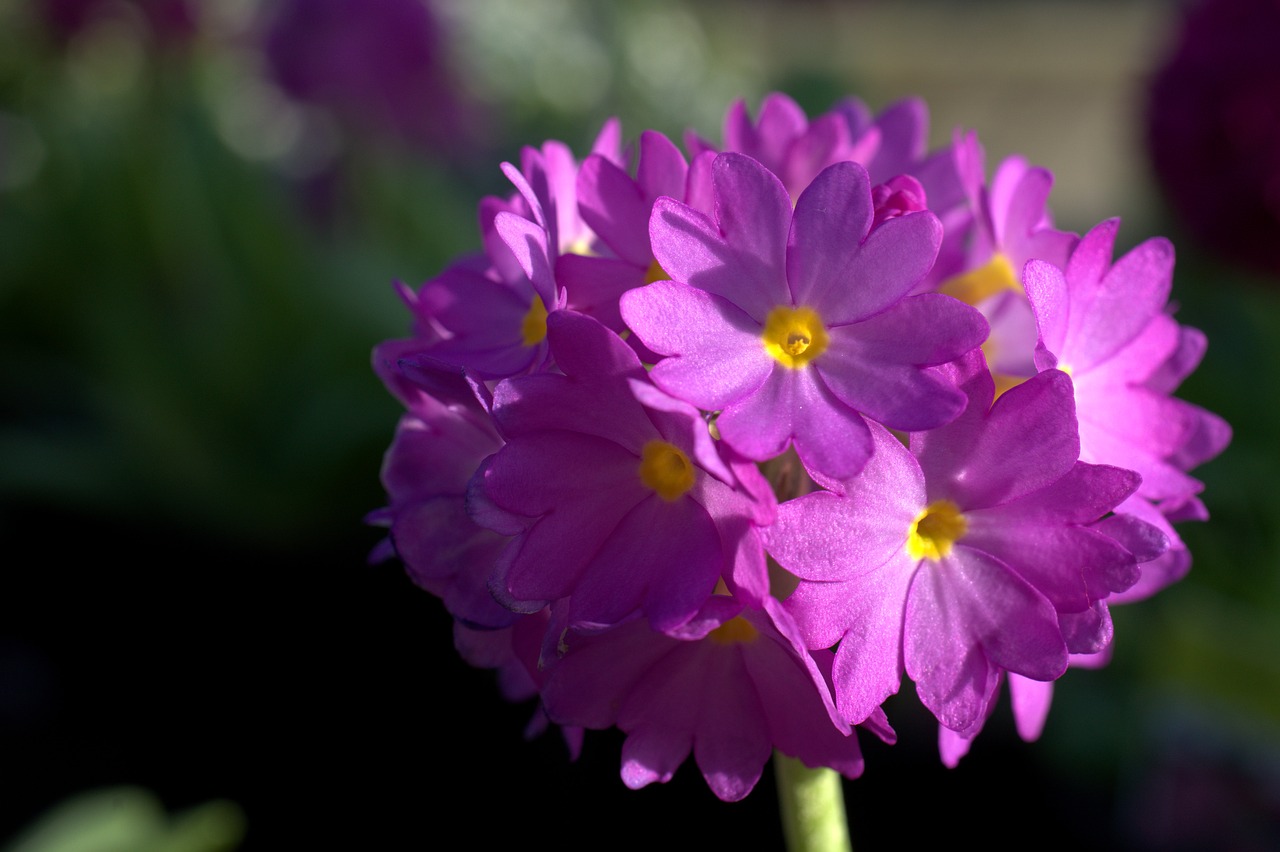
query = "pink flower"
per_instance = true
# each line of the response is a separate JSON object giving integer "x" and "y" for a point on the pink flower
{"x": 615, "y": 494}
{"x": 954, "y": 561}
{"x": 732, "y": 697}
{"x": 795, "y": 326}
{"x": 1106, "y": 324}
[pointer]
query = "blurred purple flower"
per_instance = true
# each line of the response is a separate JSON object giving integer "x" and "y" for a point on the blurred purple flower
{"x": 171, "y": 21}
{"x": 376, "y": 64}
{"x": 1213, "y": 128}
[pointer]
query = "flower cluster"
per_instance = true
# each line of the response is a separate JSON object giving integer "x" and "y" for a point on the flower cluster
{"x": 716, "y": 444}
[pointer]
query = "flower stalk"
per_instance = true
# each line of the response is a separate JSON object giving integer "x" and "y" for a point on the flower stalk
{"x": 812, "y": 806}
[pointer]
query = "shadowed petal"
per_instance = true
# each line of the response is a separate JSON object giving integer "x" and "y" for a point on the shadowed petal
{"x": 717, "y": 353}
{"x": 985, "y": 458}
{"x": 613, "y": 206}
{"x": 877, "y": 366}
{"x": 662, "y": 558}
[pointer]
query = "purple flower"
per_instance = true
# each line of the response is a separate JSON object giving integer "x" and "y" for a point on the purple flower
{"x": 617, "y": 208}
{"x": 375, "y": 64}
{"x": 1011, "y": 226}
{"x": 957, "y": 560}
{"x": 488, "y": 313}
{"x": 795, "y": 326}
{"x": 438, "y": 445}
{"x": 615, "y": 493}
{"x": 748, "y": 687}
{"x": 1145, "y": 533}
{"x": 601, "y": 532}
{"x": 796, "y": 149}
{"x": 1106, "y": 326}
{"x": 547, "y": 181}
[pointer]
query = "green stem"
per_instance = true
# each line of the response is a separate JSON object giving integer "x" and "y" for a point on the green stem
{"x": 812, "y": 804}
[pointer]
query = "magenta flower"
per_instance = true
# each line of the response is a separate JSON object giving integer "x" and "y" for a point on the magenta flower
{"x": 1106, "y": 325}
{"x": 439, "y": 443}
{"x": 787, "y": 143}
{"x": 547, "y": 181}
{"x": 748, "y": 687}
{"x": 955, "y": 561}
{"x": 617, "y": 208}
{"x": 1011, "y": 226}
{"x": 784, "y": 141}
{"x": 795, "y": 326}
{"x": 489, "y": 313}
{"x": 888, "y": 146}
{"x": 616, "y": 495}
{"x": 377, "y": 65}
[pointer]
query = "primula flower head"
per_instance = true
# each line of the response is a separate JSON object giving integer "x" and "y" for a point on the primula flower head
{"x": 594, "y": 402}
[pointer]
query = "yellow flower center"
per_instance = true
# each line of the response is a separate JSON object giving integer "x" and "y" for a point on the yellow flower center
{"x": 655, "y": 273}
{"x": 984, "y": 282}
{"x": 794, "y": 336}
{"x": 533, "y": 328}
{"x": 1005, "y": 383}
{"x": 734, "y": 631}
{"x": 666, "y": 470}
{"x": 581, "y": 246}
{"x": 935, "y": 530}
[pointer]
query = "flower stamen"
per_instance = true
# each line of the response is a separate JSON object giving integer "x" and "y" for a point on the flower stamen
{"x": 666, "y": 470}
{"x": 655, "y": 272}
{"x": 794, "y": 336}
{"x": 533, "y": 328}
{"x": 735, "y": 631}
{"x": 935, "y": 530}
{"x": 978, "y": 285}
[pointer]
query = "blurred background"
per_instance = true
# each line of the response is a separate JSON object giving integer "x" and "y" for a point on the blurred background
{"x": 202, "y": 209}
